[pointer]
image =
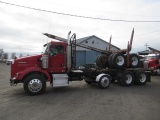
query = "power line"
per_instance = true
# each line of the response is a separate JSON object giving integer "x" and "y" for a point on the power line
{"x": 148, "y": 33}
{"x": 106, "y": 12}
{"x": 140, "y": 34}
{"x": 73, "y": 15}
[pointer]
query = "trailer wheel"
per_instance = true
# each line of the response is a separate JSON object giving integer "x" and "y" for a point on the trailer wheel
{"x": 126, "y": 79}
{"x": 141, "y": 77}
{"x": 104, "y": 81}
{"x": 34, "y": 84}
{"x": 110, "y": 60}
{"x": 97, "y": 63}
{"x": 101, "y": 61}
{"x": 134, "y": 60}
{"x": 118, "y": 60}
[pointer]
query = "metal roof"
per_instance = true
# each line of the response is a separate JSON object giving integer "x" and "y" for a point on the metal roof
{"x": 80, "y": 40}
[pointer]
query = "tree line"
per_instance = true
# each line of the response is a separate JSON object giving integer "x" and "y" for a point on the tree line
{"x": 5, "y": 55}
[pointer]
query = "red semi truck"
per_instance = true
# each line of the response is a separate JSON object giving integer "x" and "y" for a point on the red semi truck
{"x": 57, "y": 66}
{"x": 152, "y": 62}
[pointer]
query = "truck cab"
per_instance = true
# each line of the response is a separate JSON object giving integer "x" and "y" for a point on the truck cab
{"x": 55, "y": 53}
{"x": 35, "y": 70}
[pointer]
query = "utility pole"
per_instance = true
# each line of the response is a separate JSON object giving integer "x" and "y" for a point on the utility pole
{"x": 146, "y": 46}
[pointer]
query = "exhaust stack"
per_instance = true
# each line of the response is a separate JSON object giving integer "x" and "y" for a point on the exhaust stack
{"x": 68, "y": 53}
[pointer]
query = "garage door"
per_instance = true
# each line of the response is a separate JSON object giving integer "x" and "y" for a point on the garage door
{"x": 91, "y": 57}
{"x": 80, "y": 58}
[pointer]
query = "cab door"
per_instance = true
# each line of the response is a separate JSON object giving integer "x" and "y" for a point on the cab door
{"x": 57, "y": 59}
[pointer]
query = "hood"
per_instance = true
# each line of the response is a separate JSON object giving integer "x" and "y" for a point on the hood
{"x": 23, "y": 63}
{"x": 29, "y": 59}
{"x": 153, "y": 59}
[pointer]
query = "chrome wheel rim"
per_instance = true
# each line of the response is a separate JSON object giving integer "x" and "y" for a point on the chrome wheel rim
{"x": 142, "y": 78}
{"x": 105, "y": 81}
{"x": 35, "y": 85}
{"x": 134, "y": 60}
{"x": 128, "y": 79}
{"x": 120, "y": 60}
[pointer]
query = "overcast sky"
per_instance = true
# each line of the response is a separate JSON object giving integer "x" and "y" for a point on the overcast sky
{"x": 21, "y": 29}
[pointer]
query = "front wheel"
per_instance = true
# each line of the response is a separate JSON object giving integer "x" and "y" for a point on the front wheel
{"x": 34, "y": 84}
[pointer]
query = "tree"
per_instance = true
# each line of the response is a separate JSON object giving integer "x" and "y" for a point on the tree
{"x": 5, "y": 56}
{"x": 13, "y": 55}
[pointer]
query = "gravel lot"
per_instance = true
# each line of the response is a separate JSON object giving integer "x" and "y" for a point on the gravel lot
{"x": 80, "y": 101}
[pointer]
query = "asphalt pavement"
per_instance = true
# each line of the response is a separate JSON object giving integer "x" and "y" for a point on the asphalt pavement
{"x": 80, "y": 101}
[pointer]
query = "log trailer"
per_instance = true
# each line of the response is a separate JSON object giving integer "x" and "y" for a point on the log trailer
{"x": 57, "y": 65}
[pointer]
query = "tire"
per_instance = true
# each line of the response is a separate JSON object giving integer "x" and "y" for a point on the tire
{"x": 97, "y": 62}
{"x": 101, "y": 61}
{"x": 104, "y": 82}
{"x": 34, "y": 84}
{"x": 118, "y": 76}
{"x": 110, "y": 60}
{"x": 118, "y": 61}
{"x": 134, "y": 61}
{"x": 126, "y": 79}
{"x": 141, "y": 77}
{"x": 113, "y": 80}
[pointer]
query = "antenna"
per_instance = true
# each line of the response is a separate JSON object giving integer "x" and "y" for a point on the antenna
{"x": 146, "y": 46}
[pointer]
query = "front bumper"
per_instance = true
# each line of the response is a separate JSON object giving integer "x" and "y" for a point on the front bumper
{"x": 14, "y": 82}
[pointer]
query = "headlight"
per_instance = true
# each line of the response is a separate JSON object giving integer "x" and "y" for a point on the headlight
{"x": 16, "y": 76}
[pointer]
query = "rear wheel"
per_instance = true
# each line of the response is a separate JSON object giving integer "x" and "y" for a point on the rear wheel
{"x": 141, "y": 77}
{"x": 134, "y": 60}
{"x": 34, "y": 84}
{"x": 127, "y": 78}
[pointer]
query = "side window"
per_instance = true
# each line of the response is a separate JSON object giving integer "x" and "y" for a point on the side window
{"x": 54, "y": 50}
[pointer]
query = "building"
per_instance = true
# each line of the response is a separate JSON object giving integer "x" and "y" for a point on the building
{"x": 85, "y": 56}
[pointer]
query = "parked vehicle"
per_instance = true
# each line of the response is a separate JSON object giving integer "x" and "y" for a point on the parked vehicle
{"x": 152, "y": 62}
{"x": 9, "y": 61}
{"x": 57, "y": 65}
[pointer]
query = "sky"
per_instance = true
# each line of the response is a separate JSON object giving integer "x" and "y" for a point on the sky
{"x": 21, "y": 28}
